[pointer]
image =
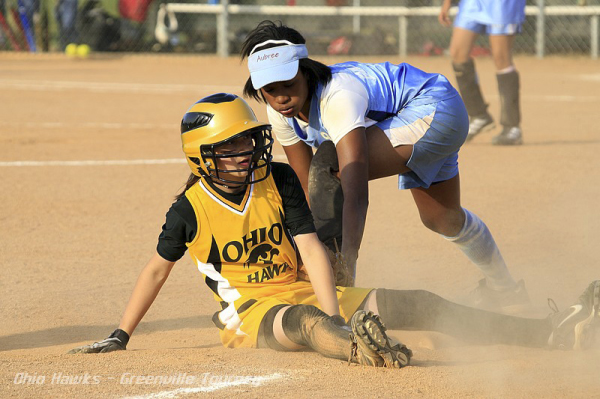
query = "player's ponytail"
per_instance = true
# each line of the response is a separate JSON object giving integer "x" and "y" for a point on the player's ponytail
{"x": 192, "y": 179}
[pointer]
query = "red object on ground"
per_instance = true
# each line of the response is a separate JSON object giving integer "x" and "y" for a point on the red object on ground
{"x": 340, "y": 45}
{"x": 479, "y": 51}
{"x": 430, "y": 49}
{"x": 135, "y": 10}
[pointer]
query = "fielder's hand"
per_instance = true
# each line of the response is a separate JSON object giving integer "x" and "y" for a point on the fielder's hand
{"x": 341, "y": 270}
{"x": 117, "y": 341}
{"x": 303, "y": 273}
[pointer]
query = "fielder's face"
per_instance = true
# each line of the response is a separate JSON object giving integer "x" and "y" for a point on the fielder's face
{"x": 289, "y": 98}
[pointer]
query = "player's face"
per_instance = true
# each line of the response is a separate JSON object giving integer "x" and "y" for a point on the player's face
{"x": 240, "y": 145}
{"x": 290, "y": 97}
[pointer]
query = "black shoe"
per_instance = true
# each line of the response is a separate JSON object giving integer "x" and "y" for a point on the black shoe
{"x": 484, "y": 297}
{"x": 509, "y": 136}
{"x": 479, "y": 124}
{"x": 573, "y": 328}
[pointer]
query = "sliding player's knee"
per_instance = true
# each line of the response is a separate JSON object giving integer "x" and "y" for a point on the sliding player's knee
{"x": 299, "y": 322}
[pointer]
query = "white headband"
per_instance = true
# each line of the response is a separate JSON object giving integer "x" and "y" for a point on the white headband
{"x": 270, "y": 41}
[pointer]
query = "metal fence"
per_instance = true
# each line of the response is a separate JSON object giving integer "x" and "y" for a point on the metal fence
{"x": 375, "y": 27}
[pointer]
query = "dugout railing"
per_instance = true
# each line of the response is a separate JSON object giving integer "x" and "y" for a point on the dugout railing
{"x": 224, "y": 10}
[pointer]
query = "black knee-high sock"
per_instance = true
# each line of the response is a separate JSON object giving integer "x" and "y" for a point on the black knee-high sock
{"x": 423, "y": 310}
{"x": 469, "y": 89}
{"x": 510, "y": 109}
{"x": 309, "y": 326}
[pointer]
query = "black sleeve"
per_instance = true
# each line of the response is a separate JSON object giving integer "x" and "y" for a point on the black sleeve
{"x": 180, "y": 227}
{"x": 298, "y": 218}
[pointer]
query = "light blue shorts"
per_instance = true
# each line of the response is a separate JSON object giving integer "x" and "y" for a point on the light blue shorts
{"x": 436, "y": 131}
{"x": 492, "y": 17}
{"x": 490, "y": 30}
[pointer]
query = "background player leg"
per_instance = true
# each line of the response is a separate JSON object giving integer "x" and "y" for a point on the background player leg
{"x": 468, "y": 83}
{"x": 441, "y": 211}
{"x": 508, "y": 88}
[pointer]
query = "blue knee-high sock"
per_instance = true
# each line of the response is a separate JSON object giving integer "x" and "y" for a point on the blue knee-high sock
{"x": 476, "y": 241}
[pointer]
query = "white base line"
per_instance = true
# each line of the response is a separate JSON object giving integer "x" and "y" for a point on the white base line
{"x": 115, "y": 87}
{"x": 278, "y": 158}
{"x": 89, "y": 125}
{"x": 96, "y": 163}
{"x": 254, "y": 381}
{"x": 112, "y": 87}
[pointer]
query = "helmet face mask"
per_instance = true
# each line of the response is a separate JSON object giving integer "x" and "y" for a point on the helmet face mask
{"x": 259, "y": 153}
{"x": 216, "y": 121}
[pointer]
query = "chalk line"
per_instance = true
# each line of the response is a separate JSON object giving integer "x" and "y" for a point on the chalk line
{"x": 253, "y": 381}
{"x": 112, "y": 87}
{"x": 89, "y": 125}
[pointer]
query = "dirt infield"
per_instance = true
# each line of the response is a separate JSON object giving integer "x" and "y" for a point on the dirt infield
{"x": 90, "y": 161}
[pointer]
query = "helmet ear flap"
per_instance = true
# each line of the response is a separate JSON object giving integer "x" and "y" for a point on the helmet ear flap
{"x": 194, "y": 164}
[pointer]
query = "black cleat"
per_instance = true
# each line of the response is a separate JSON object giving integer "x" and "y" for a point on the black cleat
{"x": 573, "y": 328}
{"x": 372, "y": 347}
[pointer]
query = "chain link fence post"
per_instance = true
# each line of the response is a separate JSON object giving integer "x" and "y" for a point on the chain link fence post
{"x": 222, "y": 29}
{"x": 540, "y": 43}
{"x": 403, "y": 35}
{"x": 594, "y": 33}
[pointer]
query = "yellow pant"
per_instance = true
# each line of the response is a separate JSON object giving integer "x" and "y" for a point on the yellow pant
{"x": 298, "y": 293}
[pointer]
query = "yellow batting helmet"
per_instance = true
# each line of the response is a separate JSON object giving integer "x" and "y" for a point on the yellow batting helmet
{"x": 219, "y": 119}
